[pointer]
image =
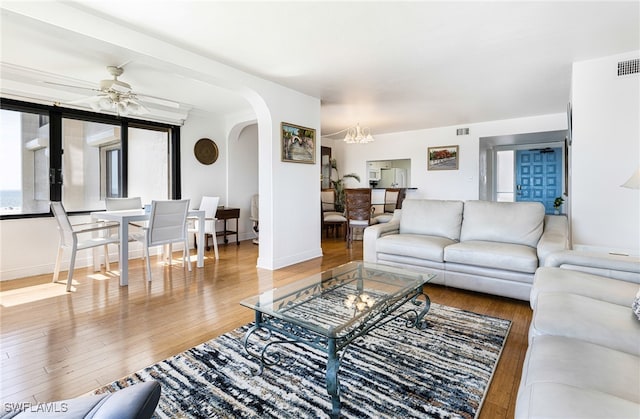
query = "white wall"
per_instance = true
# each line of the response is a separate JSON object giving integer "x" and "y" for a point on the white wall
{"x": 234, "y": 176}
{"x": 605, "y": 152}
{"x": 443, "y": 184}
{"x": 243, "y": 176}
{"x": 29, "y": 247}
{"x": 289, "y": 193}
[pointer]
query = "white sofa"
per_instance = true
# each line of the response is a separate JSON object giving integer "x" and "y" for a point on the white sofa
{"x": 492, "y": 247}
{"x": 583, "y": 359}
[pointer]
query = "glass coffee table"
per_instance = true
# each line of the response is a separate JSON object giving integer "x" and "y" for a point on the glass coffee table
{"x": 327, "y": 311}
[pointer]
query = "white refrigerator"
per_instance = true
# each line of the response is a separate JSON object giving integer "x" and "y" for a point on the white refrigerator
{"x": 393, "y": 178}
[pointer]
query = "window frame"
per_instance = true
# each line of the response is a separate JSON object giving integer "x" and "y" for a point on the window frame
{"x": 58, "y": 113}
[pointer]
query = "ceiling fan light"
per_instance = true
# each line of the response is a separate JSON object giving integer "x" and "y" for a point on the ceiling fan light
{"x": 104, "y": 103}
{"x": 123, "y": 109}
{"x": 133, "y": 108}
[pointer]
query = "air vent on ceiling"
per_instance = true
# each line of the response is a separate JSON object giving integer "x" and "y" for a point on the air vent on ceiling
{"x": 462, "y": 131}
{"x": 629, "y": 67}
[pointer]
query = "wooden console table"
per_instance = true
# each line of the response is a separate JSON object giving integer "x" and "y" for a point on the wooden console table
{"x": 224, "y": 213}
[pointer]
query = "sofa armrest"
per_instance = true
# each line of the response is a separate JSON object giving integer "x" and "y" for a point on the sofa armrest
{"x": 625, "y": 268}
{"x": 555, "y": 237}
{"x": 135, "y": 402}
{"x": 138, "y": 401}
{"x": 372, "y": 233}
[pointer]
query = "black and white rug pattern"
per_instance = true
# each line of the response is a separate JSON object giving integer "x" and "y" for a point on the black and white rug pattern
{"x": 394, "y": 371}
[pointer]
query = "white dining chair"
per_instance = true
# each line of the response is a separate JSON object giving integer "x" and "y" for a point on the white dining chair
{"x": 120, "y": 204}
{"x": 208, "y": 204}
{"x": 69, "y": 239}
{"x": 167, "y": 225}
{"x": 123, "y": 204}
{"x": 255, "y": 217}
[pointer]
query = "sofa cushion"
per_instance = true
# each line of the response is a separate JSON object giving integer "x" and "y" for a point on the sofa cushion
{"x": 414, "y": 245}
{"x": 334, "y": 217}
{"x": 512, "y": 257}
{"x": 575, "y": 316}
{"x": 561, "y": 401}
{"x": 548, "y": 279}
{"x": 508, "y": 222}
{"x": 431, "y": 218}
{"x": 562, "y": 360}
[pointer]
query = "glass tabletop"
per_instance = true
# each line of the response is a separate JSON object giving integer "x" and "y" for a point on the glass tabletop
{"x": 338, "y": 300}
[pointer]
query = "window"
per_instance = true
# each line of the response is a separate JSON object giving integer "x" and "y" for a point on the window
{"x": 84, "y": 163}
{"x": 112, "y": 172}
{"x": 24, "y": 162}
{"x": 50, "y": 153}
{"x": 504, "y": 178}
{"x": 148, "y": 167}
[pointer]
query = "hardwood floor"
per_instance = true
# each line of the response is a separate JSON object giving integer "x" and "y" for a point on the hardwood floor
{"x": 57, "y": 345}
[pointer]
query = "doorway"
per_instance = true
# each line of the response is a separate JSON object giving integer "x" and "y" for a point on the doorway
{"x": 538, "y": 176}
{"x": 523, "y": 167}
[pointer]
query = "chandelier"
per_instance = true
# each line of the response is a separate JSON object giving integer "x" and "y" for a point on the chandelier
{"x": 355, "y": 135}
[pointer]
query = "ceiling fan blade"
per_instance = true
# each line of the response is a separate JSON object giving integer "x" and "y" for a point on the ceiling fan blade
{"x": 139, "y": 107}
{"x": 158, "y": 100}
{"x": 72, "y": 86}
{"x": 84, "y": 100}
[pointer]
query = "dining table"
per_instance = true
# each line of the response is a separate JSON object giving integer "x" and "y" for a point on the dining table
{"x": 124, "y": 217}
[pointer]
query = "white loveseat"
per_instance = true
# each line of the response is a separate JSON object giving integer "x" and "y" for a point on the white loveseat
{"x": 583, "y": 359}
{"x": 492, "y": 247}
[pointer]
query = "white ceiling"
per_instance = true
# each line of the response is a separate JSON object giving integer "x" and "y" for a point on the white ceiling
{"x": 391, "y": 66}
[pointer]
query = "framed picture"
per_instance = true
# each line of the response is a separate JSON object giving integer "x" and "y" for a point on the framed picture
{"x": 442, "y": 158}
{"x": 298, "y": 143}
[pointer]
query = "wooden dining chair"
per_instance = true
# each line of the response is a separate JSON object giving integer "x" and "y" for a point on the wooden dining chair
{"x": 71, "y": 238}
{"x": 331, "y": 219}
{"x": 358, "y": 210}
{"x": 392, "y": 200}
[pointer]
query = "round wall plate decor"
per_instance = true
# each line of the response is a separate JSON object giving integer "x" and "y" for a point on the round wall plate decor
{"x": 206, "y": 151}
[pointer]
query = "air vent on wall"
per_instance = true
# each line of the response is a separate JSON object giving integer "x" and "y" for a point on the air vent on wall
{"x": 629, "y": 67}
{"x": 462, "y": 131}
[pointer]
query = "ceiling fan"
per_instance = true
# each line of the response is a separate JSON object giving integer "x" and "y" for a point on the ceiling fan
{"x": 116, "y": 95}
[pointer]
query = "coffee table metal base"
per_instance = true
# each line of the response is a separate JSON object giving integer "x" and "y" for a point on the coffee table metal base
{"x": 334, "y": 347}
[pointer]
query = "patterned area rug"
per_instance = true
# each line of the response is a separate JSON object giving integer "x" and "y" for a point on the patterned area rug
{"x": 395, "y": 371}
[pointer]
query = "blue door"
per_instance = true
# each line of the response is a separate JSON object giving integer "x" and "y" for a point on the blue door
{"x": 539, "y": 176}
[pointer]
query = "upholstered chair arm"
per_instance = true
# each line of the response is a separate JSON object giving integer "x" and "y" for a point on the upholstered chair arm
{"x": 372, "y": 233}
{"x": 555, "y": 237}
{"x": 626, "y": 268}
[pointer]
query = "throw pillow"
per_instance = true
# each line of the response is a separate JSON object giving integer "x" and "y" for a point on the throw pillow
{"x": 636, "y": 305}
